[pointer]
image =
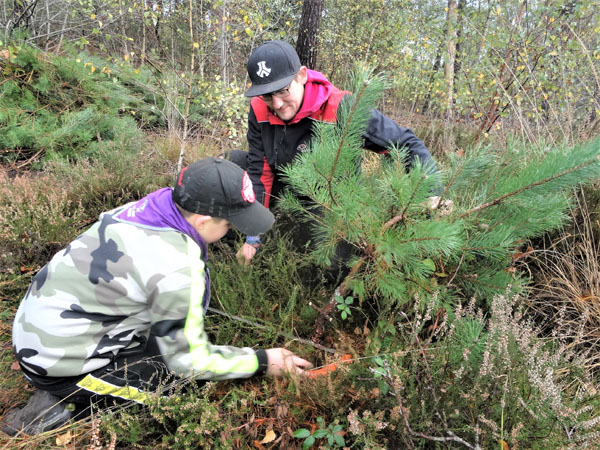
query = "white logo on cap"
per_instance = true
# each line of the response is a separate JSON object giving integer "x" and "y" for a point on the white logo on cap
{"x": 247, "y": 189}
{"x": 263, "y": 71}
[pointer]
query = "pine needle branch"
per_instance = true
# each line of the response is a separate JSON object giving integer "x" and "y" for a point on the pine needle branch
{"x": 528, "y": 187}
{"x": 329, "y": 186}
{"x": 346, "y": 128}
{"x": 449, "y": 185}
{"x": 394, "y": 220}
{"x": 499, "y": 176}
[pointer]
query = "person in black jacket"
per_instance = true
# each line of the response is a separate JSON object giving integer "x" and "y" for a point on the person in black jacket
{"x": 287, "y": 100}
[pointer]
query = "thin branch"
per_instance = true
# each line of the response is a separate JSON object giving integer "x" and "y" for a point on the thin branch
{"x": 326, "y": 310}
{"x": 346, "y": 127}
{"x": 329, "y": 187}
{"x": 529, "y": 186}
{"x": 271, "y": 328}
{"x": 394, "y": 220}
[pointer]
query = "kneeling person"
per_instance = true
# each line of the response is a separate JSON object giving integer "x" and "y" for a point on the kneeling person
{"x": 120, "y": 311}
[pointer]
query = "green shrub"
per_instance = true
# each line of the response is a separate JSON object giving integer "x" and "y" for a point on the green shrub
{"x": 66, "y": 105}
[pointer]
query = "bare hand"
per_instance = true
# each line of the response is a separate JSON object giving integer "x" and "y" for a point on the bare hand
{"x": 281, "y": 360}
{"x": 246, "y": 253}
{"x": 445, "y": 207}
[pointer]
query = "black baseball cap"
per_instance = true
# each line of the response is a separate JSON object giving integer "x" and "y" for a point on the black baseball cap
{"x": 271, "y": 67}
{"x": 218, "y": 188}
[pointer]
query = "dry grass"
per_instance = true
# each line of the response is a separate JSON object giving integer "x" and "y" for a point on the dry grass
{"x": 566, "y": 295}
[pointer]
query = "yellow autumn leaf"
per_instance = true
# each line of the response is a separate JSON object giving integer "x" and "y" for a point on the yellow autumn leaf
{"x": 64, "y": 439}
{"x": 269, "y": 437}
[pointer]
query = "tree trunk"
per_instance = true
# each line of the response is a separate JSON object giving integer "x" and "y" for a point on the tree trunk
{"x": 223, "y": 43}
{"x": 144, "y": 10}
{"x": 308, "y": 32}
{"x": 122, "y": 23}
{"x": 459, "y": 25}
{"x": 434, "y": 70}
{"x": 450, "y": 56}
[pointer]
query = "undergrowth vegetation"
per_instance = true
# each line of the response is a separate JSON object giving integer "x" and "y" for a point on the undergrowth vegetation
{"x": 61, "y": 106}
{"x": 79, "y": 105}
{"x": 444, "y": 344}
{"x": 480, "y": 374}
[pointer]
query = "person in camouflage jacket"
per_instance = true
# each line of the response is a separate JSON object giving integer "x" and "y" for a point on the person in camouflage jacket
{"x": 120, "y": 311}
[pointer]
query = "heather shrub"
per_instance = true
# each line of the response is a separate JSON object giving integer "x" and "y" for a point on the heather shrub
{"x": 38, "y": 217}
{"x": 477, "y": 379}
{"x": 186, "y": 418}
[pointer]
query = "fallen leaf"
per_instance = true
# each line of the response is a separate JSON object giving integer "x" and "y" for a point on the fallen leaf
{"x": 281, "y": 411}
{"x": 519, "y": 255}
{"x": 64, "y": 439}
{"x": 269, "y": 437}
{"x": 15, "y": 366}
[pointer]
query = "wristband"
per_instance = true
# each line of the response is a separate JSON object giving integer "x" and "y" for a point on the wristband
{"x": 253, "y": 240}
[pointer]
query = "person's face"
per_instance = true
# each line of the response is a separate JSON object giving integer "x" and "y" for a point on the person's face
{"x": 213, "y": 229}
{"x": 287, "y": 101}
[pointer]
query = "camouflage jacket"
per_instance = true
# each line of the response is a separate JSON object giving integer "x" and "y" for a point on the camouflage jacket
{"x": 110, "y": 288}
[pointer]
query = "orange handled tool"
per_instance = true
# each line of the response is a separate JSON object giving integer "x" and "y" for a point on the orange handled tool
{"x": 313, "y": 373}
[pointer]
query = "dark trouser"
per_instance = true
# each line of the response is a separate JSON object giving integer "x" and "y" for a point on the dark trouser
{"x": 130, "y": 376}
{"x": 236, "y": 156}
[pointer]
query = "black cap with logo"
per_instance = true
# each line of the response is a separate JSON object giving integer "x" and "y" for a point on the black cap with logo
{"x": 218, "y": 188}
{"x": 271, "y": 67}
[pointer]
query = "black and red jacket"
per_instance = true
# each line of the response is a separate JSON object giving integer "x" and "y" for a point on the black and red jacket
{"x": 274, "y": 143}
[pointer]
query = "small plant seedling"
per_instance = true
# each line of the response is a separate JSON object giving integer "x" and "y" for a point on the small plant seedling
{"x": 379, "y": 372}
{"x": 343, "y": 305}
{"x": 331, "y": 432}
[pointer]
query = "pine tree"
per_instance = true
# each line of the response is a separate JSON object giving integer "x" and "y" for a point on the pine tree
{"x": 59, "y": 105}
{"x": 404, "y": 248}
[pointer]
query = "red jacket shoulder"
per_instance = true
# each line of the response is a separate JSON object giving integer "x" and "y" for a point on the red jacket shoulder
{"x": 328, "y": 113}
